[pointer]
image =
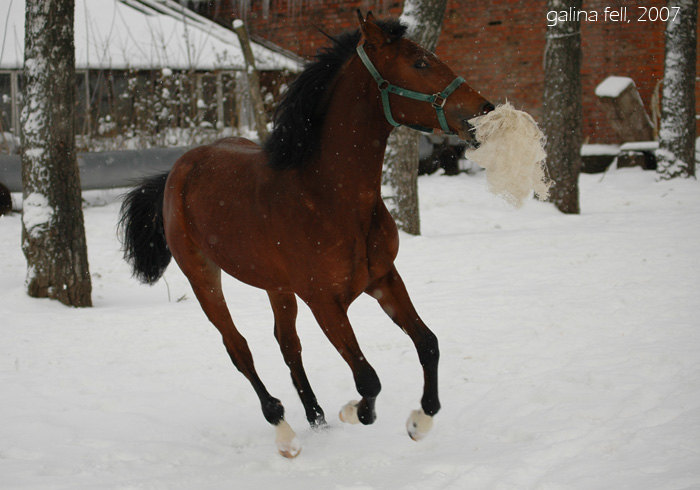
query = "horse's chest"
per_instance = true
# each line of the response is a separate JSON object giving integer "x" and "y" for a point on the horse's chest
{"x": 345, "y": 263}
{"x": 368, "y": 249}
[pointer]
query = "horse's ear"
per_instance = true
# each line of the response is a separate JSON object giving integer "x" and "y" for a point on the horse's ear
{"x": 362, "y": 19}
{"x": 372, "y": 34}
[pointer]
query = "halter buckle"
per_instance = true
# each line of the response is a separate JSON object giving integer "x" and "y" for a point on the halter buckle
{"x": 439, "y": 101}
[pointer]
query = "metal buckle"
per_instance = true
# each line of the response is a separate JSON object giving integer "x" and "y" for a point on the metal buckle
{"x": 383, "y": 84}
{"x": 439, "y": 101}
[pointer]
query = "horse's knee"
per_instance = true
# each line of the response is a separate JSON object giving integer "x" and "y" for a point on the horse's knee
{"x": 289, "y": 343}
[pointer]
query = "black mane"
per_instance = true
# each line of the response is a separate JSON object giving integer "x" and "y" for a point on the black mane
{"x": 301, "y": 113}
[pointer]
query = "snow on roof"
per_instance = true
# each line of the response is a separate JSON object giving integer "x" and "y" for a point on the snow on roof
{"x": 141, "y": 34}
{"x": 613, "y": 86}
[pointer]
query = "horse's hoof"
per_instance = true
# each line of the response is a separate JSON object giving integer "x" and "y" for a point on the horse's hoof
{"x": 287, "y": 443}
{"x": 317, "y": 420}
{"x": 319, "y": 424}
{"x": 289, "y": 453}
{"x": 348, "y": 413}
{"x": 418, "y": 425}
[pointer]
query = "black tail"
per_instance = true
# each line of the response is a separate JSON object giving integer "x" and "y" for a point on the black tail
{"x": 142, "y": 232}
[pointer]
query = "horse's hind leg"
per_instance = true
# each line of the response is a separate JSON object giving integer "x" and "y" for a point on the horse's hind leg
{"x": 333, "y": 319}
{"x": 205, "y": 278}
{"x": 284, "y": 306}
{"x": 393, "y": 297}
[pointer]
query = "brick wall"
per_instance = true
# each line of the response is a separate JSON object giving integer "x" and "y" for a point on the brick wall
{"x": 497, "y": 45}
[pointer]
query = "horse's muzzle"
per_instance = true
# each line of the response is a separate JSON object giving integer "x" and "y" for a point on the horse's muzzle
{"x": 468, "y": 131}
{"x": 468, "y": 134}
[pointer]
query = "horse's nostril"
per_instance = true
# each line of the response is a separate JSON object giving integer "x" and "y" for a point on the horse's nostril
{"x": 487, "y": 107}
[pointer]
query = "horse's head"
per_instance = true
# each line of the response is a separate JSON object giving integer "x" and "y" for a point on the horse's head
{"x": 416, "y": 88}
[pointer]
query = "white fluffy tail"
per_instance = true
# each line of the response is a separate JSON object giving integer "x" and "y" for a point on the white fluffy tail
{"x": 512, "y": 152}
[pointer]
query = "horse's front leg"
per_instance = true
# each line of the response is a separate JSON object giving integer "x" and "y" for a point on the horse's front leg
{"x": 391, "y": 293}
{"x": 333, "y": 319}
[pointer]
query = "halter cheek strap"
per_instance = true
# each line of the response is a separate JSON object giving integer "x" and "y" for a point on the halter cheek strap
{"x": 385, "y": 88}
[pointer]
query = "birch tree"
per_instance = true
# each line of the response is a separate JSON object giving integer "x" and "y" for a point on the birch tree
{"x": 562, "y": 106}
{"x": 676, "y": 154}
{"x": 400, "y": 179}
{"x": 53, "y": 235}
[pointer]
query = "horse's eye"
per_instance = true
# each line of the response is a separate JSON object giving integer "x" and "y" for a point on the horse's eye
{"x": 421, "y": 64}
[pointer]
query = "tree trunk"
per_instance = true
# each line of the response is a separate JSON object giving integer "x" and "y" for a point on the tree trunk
{"x": 676, "y": 153}
{"x": 400, "y": 179}
{"x": 53, "y": 234}
{"x": 562, "y": 106}
{"x": 253, "y": 79}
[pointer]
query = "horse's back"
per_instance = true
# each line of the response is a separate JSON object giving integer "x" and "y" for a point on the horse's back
{"x": 227, "y": 151}
{"x": 237, "y": 144}
{"x": 225, "y": 167}
{"x": 221, "y": 155}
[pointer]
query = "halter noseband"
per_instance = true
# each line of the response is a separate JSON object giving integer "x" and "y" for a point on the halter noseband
{"x": 385, "y": 88}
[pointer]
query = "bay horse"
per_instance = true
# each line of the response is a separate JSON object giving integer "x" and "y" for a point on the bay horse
{"x": 303, "y": 215}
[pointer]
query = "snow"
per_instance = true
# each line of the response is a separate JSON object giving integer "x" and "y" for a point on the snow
{"x": 569, "y": 359}
{"x": 140, "y": 34}
{"x": 37, "y": 213}
{"x": 409, "y": 17}
{"x": 613, "y": 86}
{"x": 640, "y": 146}
{"x": 34, "y": 153}
{"x": 599, "y": 149}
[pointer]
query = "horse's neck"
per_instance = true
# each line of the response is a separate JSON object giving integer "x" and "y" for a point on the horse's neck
{"x": 354, "y": 136}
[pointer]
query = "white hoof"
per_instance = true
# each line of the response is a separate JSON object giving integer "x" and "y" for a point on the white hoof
{"x": 348, "y": 413}
{"x": 286, "y": 440}
{"x": 419, "y": 424}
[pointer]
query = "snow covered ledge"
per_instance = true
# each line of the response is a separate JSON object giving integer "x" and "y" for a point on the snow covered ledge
{"x": 613, "y": 86}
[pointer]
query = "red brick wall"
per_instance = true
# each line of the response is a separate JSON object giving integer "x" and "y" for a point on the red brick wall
{"x": 500, "y": 47}
{"x": 497, "y": 45}
{"x": 297, "y": 29}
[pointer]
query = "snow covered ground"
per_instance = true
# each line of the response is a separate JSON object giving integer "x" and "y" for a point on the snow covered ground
{"x": 570, "y": 359}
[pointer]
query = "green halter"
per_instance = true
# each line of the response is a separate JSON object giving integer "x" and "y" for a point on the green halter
{"x": 436, "y": 100}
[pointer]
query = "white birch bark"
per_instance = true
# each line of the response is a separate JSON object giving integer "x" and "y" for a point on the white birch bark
{"x": 400, "y": 178}
{"x": 53, "y": 235}
{"x": 676, "y": 154}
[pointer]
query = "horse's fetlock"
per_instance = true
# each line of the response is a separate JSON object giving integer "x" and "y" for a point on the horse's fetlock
{"x": 366, "y": 413}
{"x": 368, "y": 384}
{"x": 430, "y": 404}
{"x": 273, "y": 411}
